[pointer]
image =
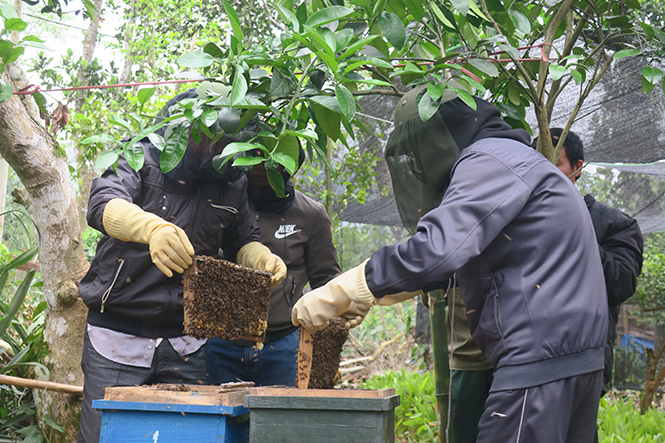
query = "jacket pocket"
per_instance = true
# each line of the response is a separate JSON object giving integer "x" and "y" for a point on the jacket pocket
{"x": 108, "y": 290}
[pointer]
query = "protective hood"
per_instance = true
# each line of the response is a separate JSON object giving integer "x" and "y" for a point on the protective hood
{"x": 194, "y": 168}
{"x": 268, "y": 201}
{"x": 421, "y": 155}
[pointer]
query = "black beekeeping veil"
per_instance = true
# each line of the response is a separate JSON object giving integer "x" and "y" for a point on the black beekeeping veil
{"x": 420, "y": 155}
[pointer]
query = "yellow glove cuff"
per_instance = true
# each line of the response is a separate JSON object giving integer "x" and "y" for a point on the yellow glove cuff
{"x": 362, "y": 295}
{"x": 128, "y": 222}
{"x": 249, "y": 254}
{"x": 393, "y": 299}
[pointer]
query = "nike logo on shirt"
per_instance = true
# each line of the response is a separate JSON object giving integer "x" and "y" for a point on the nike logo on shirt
{"x": 286, "y": 230}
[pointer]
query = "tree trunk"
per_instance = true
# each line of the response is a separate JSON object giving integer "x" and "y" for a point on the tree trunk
{"x": 41, "y": 167}
{"x": 89, "y": 45}
{"x": 653, "y": 380}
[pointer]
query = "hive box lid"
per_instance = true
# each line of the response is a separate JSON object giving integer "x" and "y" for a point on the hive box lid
{"x": 177, "y": 394}
{"x": 329, "y": 399}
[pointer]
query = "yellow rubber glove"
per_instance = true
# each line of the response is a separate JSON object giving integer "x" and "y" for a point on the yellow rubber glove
{"x": 258, "y": 256}
{"x": 317, "y": 307}
{"x": 170, "y": 248}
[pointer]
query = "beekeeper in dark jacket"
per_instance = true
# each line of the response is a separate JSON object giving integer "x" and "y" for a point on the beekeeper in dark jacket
{"x": 299, "y": 231}
{"x": 533, "y": 287}
{"x": 152, "y": 224}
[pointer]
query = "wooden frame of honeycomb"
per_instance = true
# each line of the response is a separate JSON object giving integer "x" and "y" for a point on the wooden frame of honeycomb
{"x": 226, "y": 300}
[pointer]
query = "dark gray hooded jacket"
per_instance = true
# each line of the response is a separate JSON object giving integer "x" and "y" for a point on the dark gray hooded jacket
{"x": 520, "y": 240}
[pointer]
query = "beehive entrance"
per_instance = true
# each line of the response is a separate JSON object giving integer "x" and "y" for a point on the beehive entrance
{"x": 226, "y": 300}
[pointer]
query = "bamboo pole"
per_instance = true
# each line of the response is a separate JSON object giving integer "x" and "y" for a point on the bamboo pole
{"x": 437, "y": 310}
{"x": 40, "y": 384}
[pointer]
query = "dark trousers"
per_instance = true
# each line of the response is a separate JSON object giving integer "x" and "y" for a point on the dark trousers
{"x": 100, "y": 372}
{"x": 469, "y": 392}
{"x": 563, "y": 411}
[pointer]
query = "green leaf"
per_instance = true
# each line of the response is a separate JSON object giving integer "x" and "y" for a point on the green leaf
{"x": 446, "y": 17}
{"x": 15, "y": 24}
{"x": 648, "y": 30}
{"x": 106, "y": 159}
{"x": 157, "y": 140}
{"x": 328, "y": 120}
{"x": 577, "y": 76}
{"x": 427, "y": 107}
{"x": 8, "y": 11}
{"x": 209, "y": 117}
{"x": 48, "y": 419}
{"x": 462, "y": 6}
{"x": 285, "y": 160}
{"x": 343, "y": 38}
{"x": 626, "y": 53}
{"x": 556, "y": 71}
{"x": 465, "y": 97}
{"x": 214, "y": 50}
{"x": 347, "y": 102}
{"x": 290, "y": 17}
{"x": 119, "y": 121}
{"x": 652, "y": 75}
{"x": 16, "y": 302}
{"x": 303, "y": 133}
{"x": 232, "y": 15}
{"x": 393, "y": 29}
{"x": 327, "y": 15}
{"x": 354, "y": 48}
{"x": 231, "y": 150}
{"x": 484, "y": 66}
{"x": 239, "y": 87}
{"x": 416, "y": 8}
{"x": 435, "y": 91}
{"x": 248, "y": 161}
{"x": 134, "y": 155}
{"x": 513, "y": 52}
{"x": 367, "y": 81}
{"x": 175, "y": 145}
{"x": 6, "y": 91}
{"x": 281, "y": 85}
{"x": 196, "y": 59}
{"x": 98, "y": 138}
{"x": 144, "y": 94}
{"x": 521, "y": 22}
{"x": 276, "y": 182}
{"x": 327, "y": 102}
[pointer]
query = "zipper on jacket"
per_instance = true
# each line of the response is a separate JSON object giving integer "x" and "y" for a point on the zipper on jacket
{"x": 289, "y": 300}
{"x": 230, "y": 209}
{"x": 106, "y": 294}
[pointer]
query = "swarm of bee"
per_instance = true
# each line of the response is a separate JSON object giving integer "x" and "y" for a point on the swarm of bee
{"x": 223, "y": 299}
{"x": 326, "y": 354}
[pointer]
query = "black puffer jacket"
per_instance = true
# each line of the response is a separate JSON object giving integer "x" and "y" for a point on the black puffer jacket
{"x": 123, "y": 289}
{"x": 621, "y": 246}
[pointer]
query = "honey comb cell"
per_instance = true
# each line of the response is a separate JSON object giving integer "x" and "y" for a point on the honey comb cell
{"x": 326, "y": 354}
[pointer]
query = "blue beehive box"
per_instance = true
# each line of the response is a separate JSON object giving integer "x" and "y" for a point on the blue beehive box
{"x": 200, "y": 414}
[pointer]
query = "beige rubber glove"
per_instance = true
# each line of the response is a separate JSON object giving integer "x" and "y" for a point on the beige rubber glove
{"x": 355, "y": 315}
{"x": 393, "y": 299}
{"x": 317, "y": 307}
{"x": 258, "y": 256}
{"x": 170, "y": 249}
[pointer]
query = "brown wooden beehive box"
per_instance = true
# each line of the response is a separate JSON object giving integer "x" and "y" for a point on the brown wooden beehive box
{"x": 226, "y": 300}
{"x": 318, "y": 364}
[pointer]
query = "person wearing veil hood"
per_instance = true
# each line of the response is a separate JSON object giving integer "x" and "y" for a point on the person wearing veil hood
{"x": 152, "y": 224}
{"x": 299, "y": 231}
{"x": 533, "y": 287}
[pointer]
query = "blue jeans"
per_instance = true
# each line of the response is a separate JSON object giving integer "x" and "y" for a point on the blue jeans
{"x": 275, "y": 364}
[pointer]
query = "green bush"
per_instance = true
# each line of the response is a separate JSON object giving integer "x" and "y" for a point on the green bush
{"x": 415, "y": 417}
{"x": 416, "y": 420}
{"x": 620, "y": 421}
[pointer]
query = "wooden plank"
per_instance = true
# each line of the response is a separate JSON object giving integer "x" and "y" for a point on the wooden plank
{"x": 194, "y": 395}
{"x": 347, "y": 393}
{"x": 305, "y": 351}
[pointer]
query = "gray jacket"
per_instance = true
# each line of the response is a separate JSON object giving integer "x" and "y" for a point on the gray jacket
{"x": 520, "y": 238}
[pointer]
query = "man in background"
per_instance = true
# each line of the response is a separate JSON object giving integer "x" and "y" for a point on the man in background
{"x": 297, "y": 229}
{"x": 619, "y": 241}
